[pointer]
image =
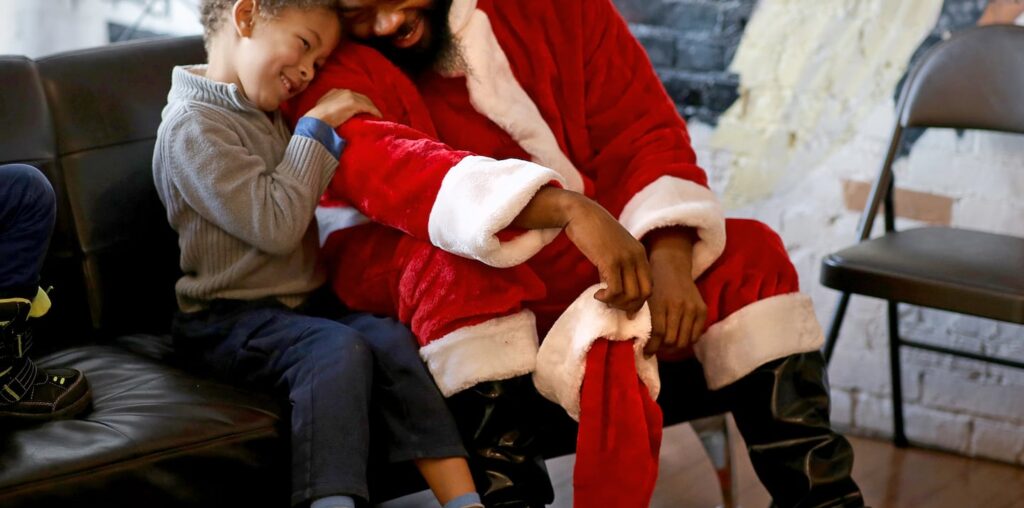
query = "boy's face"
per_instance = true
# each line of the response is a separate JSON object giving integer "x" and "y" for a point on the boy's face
{"x": 278, "y": 56}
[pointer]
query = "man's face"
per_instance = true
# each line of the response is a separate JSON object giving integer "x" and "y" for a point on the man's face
{"x": 414, "y": 34}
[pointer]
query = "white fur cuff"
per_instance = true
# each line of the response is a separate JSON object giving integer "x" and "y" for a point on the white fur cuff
{"x": 501, "y": 348}
{"x": 481, "y": 196}
{"x": 562, "y": 359}
{"x": 763, "y": 331}
{"x": 672, "y": 201}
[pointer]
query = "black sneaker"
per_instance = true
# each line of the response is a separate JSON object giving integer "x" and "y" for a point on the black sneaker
{"x": 30, "y": 393}
{"x": 26, "y": 391}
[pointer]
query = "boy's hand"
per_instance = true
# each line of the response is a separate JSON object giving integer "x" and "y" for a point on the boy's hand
{"x": 338, "y": 106}
{"x": 620, "y": 259}
{"x": 678, "y": 311}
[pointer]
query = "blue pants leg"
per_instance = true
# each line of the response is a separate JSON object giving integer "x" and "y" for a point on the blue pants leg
{"x": 28, "y": 210}
{"x": 330, "y": 370}
{"x": 325, "y": 370}
{"x": 412, "y": 413}
{"x": 323, "y": 367}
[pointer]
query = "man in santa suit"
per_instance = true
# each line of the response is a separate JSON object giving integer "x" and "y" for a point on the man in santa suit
{"x": 531, "y": 179}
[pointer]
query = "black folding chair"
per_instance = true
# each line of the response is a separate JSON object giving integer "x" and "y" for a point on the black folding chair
{"x": 975, "y": 80}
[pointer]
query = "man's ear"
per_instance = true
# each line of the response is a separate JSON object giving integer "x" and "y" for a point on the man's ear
{"x": 243, "y": 16}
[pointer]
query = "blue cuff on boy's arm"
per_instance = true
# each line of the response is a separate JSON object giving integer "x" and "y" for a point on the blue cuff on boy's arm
{"x": 318, "y": 130}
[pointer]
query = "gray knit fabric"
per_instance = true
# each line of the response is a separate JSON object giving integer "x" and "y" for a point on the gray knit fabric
{"x": 241, "y": 191}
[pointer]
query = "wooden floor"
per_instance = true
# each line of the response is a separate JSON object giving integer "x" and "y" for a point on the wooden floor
{"x": 888, "y": 476}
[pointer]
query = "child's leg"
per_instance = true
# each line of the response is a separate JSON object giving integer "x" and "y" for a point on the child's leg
{"x": 27, "y": 214}
{"x": 478, "y": 342}
{"x": 324, "y": 367}
{"x": 28, "y": 210}
{"x": 450, "y": 480}
{"x": 419, "y": 425}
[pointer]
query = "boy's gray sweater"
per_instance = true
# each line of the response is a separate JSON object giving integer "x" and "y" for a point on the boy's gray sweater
{"x": 241, "y": 192}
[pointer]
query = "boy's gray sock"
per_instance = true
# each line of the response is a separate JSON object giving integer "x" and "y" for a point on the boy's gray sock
{"x": 334, "y": 502}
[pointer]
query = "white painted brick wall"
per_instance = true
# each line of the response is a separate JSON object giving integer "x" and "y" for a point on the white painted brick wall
{"x": 942, "y": 429}
{"x": 951, "y": 403}
{"x": 997, "y": 440}
{"x": 972, "y": 394}
{"x": 871, "y": 415}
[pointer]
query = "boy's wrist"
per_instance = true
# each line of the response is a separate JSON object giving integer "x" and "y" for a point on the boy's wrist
{"x": 320, "y": 131}
{"x": 316, "y": 115}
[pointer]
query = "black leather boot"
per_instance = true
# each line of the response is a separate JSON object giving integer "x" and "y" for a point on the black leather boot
{"x": 495, "y": 421}
{"x": 782, "y": 410}
{"x": 28, "y": 393}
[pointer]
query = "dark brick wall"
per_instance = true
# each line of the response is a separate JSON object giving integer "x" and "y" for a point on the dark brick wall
{"x": 691, "y": 43}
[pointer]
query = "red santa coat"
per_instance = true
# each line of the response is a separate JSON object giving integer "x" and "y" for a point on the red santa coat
{"x": 553, "y": 93}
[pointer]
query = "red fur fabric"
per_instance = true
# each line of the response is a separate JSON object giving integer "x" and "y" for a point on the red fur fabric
{"x": 620, "y": 432}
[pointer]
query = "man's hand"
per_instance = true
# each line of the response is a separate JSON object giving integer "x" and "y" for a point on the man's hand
{"x": 677, "y": 310}
{"x": 620, "y": 259}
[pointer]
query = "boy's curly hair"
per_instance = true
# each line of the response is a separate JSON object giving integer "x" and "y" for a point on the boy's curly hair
{"x": 212, "y": 12}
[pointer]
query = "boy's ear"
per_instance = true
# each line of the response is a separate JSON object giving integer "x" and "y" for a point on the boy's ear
{"x": 243, "y": 16}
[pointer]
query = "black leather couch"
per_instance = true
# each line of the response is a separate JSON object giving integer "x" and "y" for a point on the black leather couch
{"x": 158, "y": 434}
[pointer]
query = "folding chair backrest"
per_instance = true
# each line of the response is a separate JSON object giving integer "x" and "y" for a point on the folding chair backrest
{"x": 973, "y": 81}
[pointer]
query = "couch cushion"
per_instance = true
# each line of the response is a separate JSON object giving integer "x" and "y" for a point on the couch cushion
{"x": 26, "y": 134}
{"x": 106, "y": 105}
{"x": 156, "y": 436}
{"x": 27, "y": 137}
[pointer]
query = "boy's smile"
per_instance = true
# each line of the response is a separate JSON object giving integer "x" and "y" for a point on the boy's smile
{"x": 291, "y": 86}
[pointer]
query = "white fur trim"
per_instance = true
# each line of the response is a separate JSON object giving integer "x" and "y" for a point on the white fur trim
{"x": 481, "y": 196}
{"x": 495, "y": 93}
{"x": 562, "y": 359}
{"x": 763, "y": 331}
{"x": 501, "y": 348}
{"x": 672, "y": 201}
{"x": 335, "y": 218}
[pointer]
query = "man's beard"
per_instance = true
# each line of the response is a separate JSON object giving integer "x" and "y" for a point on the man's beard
{"x": 440, "y": 53}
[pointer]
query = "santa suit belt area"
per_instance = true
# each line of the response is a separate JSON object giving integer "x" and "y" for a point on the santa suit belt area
{"x": 478, "y": 323}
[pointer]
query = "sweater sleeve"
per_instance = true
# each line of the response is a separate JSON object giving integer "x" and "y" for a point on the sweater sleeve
{"x": 319, "y": 130}
{"x": 269, "y": 208}
{"x": 395, "y": 172}
{"x": 647, "y": 171}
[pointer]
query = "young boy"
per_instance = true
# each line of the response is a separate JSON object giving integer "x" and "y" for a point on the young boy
{"x": 240, "y": 190}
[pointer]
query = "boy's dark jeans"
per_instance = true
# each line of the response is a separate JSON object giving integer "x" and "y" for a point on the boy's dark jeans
{"x": 335, "y": 373}
{"x": 28, "y": 210}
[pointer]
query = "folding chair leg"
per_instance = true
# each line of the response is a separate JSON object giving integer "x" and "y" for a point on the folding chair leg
{"x": 713, "y": 432}
{"x": 899, "y": 438}
{"x": 833, "y": 330}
